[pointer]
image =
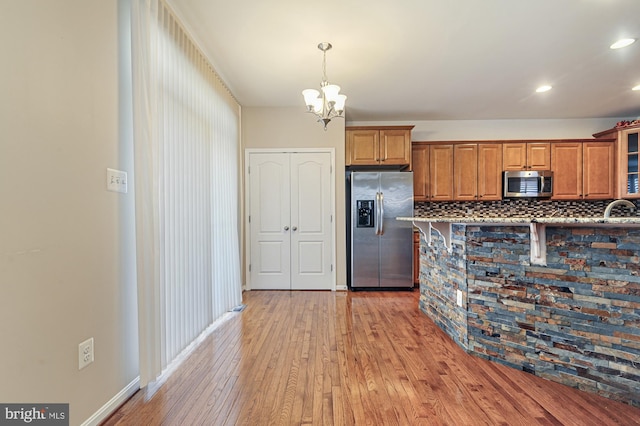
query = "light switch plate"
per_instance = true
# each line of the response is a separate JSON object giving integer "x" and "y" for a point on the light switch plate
{"x": 459, "y": 297}
{"x": 116, "y": 181}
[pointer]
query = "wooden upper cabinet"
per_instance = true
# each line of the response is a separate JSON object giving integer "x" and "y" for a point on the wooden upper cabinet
{"x": 583, "y": 170}
{"x": 468, "y": 171}
{"x": 538, "y": 156}
{"x": 395, "y": 147}
{"x": 363, "y": 147}
{"x": 441, "y": 172}
{"x": 465, "y": 172}
{"x": 526, "y": 155}
{"x": 457, "y": 171}
{"x": 489, "y": 171}
{"x": 514, "y": 156}
{"x": 629, "y": 186}
{"x": 627, "y": 174}
{"x": 598, "y": 170}
{"x": 567, "y": 170}
{"x": 420, "y": 162}
{"x": 477, "y": 172}
{"x": 378, "y": 146}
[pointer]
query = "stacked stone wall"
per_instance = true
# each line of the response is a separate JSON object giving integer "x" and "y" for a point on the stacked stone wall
{"x": 575, "y": 321}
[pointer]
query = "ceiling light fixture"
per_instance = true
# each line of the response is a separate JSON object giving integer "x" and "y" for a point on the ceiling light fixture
{"x": 544, "y": 88}
{"x": 636, "y": 87}
{"x": 328, "y": 102}
{"x": 624, "y": 42}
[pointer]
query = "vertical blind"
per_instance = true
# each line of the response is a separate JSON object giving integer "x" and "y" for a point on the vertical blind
{"x": 186, "y": 147}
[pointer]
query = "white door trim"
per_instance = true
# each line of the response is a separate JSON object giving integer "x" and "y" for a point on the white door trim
{"x": 247, "y": 195}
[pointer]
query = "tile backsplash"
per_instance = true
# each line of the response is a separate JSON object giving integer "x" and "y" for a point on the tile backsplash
{"x": 529, "y": 207}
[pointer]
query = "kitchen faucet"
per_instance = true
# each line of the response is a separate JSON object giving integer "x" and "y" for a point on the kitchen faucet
{"x": 607, "y": 211}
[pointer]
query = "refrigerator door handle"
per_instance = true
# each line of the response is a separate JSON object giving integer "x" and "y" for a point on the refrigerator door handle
{"x": 377, "y": 216}
{"x": 381, "y": 221}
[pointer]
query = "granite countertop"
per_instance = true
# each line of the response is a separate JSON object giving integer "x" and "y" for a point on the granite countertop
{"x": 611, "y": 221}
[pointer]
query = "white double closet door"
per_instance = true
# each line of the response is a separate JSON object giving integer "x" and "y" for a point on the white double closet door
{"x": 291, "y": 230}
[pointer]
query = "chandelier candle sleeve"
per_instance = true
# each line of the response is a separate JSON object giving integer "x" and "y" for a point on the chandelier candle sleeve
{"x": 328, "y": 102}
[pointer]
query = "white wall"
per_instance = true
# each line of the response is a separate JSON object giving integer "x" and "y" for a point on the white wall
{"x": 294, "y": 128}
{"x": 67, "y": 254}
{"x": 452, "y": 130}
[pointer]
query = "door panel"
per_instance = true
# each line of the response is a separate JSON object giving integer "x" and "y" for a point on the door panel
{"x": 364, "y": 248}
{"x": 489, "y": 171}
{"x": 311, "y": 235}
{"x": 364, "y": 146}
{"x": 396, "y": 241}
{"x": 269, "y": 212}
{"x": 465, "y": 172}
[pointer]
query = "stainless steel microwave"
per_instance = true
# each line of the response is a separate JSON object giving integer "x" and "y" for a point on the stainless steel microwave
{"x": 532, "y": 183}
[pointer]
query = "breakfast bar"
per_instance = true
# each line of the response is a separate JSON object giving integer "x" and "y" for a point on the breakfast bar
{"x": 558, "y": 297}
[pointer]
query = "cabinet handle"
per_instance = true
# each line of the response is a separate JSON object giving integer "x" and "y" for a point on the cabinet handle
{"x": 286, "y": 228}
{"x": 295, "y": 228}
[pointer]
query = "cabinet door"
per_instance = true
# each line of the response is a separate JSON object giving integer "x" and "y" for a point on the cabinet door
{"x": 598, "y": 180}
{"x": 420, "y": 160}
{"x": 567, "y": 170}
{"x": 395, "y": 147}
{"x": 441, "y": 172}
{"x": 465, "y": 172}
{"x": 489, "y": 171}
{"x": 629, "y": 186}
{"x": 538, "y": 156}
{"x": 363, "y": 147}
{"x": 514, "y": 156}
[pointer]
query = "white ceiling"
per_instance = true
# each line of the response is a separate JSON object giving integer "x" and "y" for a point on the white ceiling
{"x": 427, "y": 59}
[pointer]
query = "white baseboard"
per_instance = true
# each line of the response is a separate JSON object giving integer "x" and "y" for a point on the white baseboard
{"x": 107, "y": 409}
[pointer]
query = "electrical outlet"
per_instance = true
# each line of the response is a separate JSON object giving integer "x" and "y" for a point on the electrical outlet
{"x": 459, "y": 297}
{"x": 85, "y": 353}
{"x": 116, "y": 181}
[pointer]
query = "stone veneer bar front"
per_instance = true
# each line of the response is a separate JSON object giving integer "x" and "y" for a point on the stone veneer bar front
{"x": 575, "y": 321}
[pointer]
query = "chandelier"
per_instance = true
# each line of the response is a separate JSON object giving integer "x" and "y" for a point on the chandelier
{"x": 328, "y": 102}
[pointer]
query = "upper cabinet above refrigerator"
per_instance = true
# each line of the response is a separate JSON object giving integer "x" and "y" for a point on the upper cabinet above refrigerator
{"x": 378, "y": 146}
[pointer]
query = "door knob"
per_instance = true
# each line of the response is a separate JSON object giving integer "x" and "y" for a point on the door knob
{"x": 295, "y": 228}
{"x": 286, "y": 228}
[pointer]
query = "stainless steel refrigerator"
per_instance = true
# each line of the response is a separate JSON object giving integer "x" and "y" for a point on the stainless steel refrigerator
{"x": 381, "y": 252}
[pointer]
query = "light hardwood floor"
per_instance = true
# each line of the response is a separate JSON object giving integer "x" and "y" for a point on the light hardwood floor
{"x": 345, "y": 358}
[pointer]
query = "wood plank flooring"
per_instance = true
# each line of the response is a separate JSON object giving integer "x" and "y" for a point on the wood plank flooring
{"x": 353, "y": 358}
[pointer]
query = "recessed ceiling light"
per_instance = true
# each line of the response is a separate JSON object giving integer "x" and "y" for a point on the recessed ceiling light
{"x": 624, "y": 42}
{"x": 636, "y": 87}
{"x": 544, "y": 88}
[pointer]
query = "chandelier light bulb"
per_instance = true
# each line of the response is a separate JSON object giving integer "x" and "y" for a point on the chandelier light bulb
{"x": 339, "y": 105}
{"x": 331, "y": 92}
